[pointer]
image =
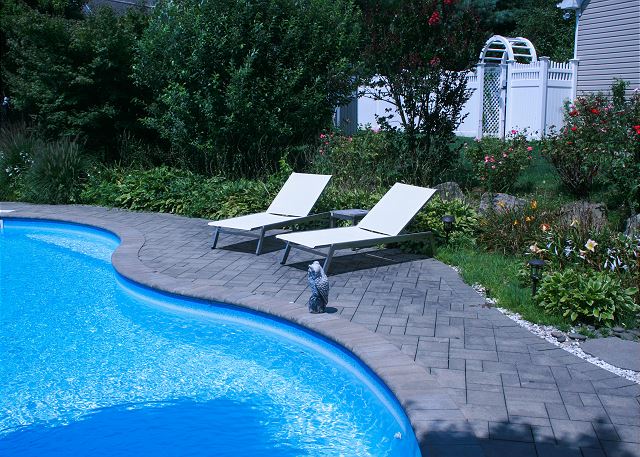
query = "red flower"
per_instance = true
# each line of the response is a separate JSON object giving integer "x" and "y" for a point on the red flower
{"x": 434, "y": 19}
{"x": 573, "y": 113}
{"x": 595, "y": 110}
{"x": 637, "y": 129}
{"x": 574, "y": 128}
{"x": 448, "y": 2}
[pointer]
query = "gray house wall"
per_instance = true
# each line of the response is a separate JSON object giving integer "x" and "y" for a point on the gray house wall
{"x": 608, "y": 44}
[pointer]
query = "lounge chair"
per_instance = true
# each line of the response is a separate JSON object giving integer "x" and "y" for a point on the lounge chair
{"x": 382, "y": 225}
{"x": 291, "y": 206}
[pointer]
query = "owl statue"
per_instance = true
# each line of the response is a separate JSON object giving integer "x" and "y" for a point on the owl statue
{"x": 319, "y": 285}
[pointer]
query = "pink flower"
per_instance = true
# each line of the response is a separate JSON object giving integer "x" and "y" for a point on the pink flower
{"x": 434, "y": 19}
{"x": 493, "y": 167}
{"x": 322, "y": 135}
{"x": 504, "y": 154}
{"x": 513, "y": 132}
{"x": 435, "y": 61}
{"x": 486, "y": 159}
{"x": 529, "y": 149}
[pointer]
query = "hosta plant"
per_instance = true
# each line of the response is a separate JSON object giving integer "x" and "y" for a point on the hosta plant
{"x": 591, "y": 297}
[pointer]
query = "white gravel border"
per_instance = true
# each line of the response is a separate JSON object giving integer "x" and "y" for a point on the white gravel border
{"x": 544, "y": 331}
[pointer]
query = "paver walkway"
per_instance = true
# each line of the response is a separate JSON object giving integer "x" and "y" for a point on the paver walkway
{"x": 518, "y": 394}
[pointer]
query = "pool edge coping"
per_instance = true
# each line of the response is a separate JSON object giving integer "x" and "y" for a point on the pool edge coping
{"x": 413, "y": 387}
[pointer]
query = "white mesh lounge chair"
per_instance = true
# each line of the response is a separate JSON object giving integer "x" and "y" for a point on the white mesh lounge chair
{"x": 291, "y": 206}
{"x": 384, "y": 224}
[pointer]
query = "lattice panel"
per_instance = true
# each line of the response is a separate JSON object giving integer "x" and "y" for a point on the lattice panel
{"x": 491, "y": 102}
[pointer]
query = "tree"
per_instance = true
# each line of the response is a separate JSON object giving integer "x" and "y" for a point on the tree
{"x": 540, "y": 21}
{"x": 72, "y": 77}
{"x": 235, "y": 83}
{"x": 417, "y": 53}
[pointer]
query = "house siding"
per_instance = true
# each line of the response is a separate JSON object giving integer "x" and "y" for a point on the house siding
{"x": 609, "y": 45}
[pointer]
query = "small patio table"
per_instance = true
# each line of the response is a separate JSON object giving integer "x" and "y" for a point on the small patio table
{"x": 353, "y": 215}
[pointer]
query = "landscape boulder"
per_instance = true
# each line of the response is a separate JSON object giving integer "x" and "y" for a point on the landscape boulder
{"x": 591, "y": 215}
{"x": 500, "y": 202}
{"x": 450, "y": 190}
{"x": 632, "y": 226}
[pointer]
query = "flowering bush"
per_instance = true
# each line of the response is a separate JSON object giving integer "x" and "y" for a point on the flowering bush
{"x": 587, "y": 251}
{"x": 598, "y": 141}
{"x": 497, "y": 163}
{"x": 511, "y": 230}
{"x": 573, "y": 246}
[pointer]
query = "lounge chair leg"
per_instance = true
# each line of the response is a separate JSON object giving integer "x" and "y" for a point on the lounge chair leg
{"x": 285, "y": 255}
{"x": 216, "y": 234}
{"x": 260, "y": 240}
{"x": 327, "y": 261}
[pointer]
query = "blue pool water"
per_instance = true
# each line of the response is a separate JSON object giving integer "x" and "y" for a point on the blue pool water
{"x": 92, "y": 364}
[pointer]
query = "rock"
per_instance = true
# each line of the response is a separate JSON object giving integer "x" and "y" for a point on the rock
{"x": 636, "y": 332}
{"x": 619, "y": 353}
{"x": 632, "y": 227}
{"x": 628, "y": 336}
{"x": 448, "y": 191}
{"x": 618, "y": 329}
{"x": 561, "y": 338}
{"x": 500, "y": 202}
{"x": 591, "y": 215}
{"x": 576, "y": 336}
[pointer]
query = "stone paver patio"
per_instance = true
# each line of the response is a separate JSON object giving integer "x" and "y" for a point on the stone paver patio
{"x": 515, "y": 393}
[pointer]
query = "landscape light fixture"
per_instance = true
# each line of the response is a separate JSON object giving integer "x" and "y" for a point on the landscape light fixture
{"x": 448, "y": 222}
{"x": 536, "y": 266}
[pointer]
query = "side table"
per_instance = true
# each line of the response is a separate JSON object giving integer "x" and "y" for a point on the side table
{"x": 354, "y": 215}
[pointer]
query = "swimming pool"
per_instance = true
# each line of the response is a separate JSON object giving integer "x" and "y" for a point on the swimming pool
{"x": 92, "y": 364}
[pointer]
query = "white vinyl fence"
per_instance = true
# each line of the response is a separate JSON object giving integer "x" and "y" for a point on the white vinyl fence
{"x": 505, "y": 97}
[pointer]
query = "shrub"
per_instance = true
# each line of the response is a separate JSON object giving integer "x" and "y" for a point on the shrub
{"x": 236, "y": 82}
{"x": 366, "y": 160}
{"x": 73, "y": 76}
{"x": 622, "y": 172}
{"x": 498, "y": 163}
{"x": 590, "y": 297}
{"x": 168, "y": 190}
{"x": 56, "y": 174}
{"x": 18, "y": 146}
{"x": 599, "y": 141}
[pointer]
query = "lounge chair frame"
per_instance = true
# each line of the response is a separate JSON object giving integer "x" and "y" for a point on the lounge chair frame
{"x": 357, "y": 244}
{"x": 261, "y": 232}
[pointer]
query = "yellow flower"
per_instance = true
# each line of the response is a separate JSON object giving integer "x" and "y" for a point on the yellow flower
{"x": 573, "y": 223}
{"x": 515, "y": 222}
{"x": 534, "y": 204}
{"x": 545, "y": 227}
{"x": 591, "y": 245}
{"x": 528, "y": 218}
{"x": 502, "y": 204}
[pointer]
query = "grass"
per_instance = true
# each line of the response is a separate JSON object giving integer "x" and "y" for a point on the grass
{"x": 499, "y": 275}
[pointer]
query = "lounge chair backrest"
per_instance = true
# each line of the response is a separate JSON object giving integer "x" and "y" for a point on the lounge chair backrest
{"x": 396, "y": 209}
{"x": 299, "y": 194}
